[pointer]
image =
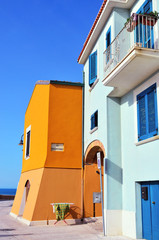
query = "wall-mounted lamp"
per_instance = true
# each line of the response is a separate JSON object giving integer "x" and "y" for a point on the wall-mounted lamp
{"x": 21, "y": 140}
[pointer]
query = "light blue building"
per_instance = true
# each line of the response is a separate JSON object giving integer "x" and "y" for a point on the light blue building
{"x": 121, "y": 114}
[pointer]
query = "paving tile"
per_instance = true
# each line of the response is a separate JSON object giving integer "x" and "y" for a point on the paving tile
{"x": 11, "y": 229}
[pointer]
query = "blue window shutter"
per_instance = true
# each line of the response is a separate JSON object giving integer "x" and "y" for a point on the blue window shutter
{"x": 146, "y": 32}
{"x": 108, "y": 42}
{"x": 147, "y": 113}
{"x": 142, "y": 117}
{"x": 147, "y": 7}
{"x": 108, "y": 38}
{"x": 152, "y": 112}
{"x": 96, "y": 118}
{"x": 92, "y": 121}
{"x": 92, "y": 67}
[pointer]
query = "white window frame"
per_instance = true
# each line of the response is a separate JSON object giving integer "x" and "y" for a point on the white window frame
{"x": 27, "y": 130}
{"x": 137, "y": 91}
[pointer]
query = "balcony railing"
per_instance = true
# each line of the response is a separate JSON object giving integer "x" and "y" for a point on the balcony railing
{"x": 138, "y": 31}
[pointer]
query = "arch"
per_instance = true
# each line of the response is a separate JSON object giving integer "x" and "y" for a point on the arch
{"x": 93, "y": 148}
{"x": 24, "y": 197}
{"x": 92, "y": 178}
{"x": 27, "y": 183}
{"x": 27, "y": 186}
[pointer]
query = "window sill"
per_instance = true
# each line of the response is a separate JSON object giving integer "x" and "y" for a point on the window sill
{"x": 93, "y": 130}
{"x": 94, "y": 84}
{"x": 147, "y": 140}
{"x": 26, "y": 158}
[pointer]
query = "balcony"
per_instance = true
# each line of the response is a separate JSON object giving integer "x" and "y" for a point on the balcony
{"x": 133, "y": 55}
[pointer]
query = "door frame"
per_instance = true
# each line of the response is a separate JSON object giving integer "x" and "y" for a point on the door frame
{"x": 139, "y": 225}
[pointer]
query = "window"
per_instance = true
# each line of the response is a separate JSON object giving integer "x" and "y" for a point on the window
{"x": 147, "y": 113}
{"x": 94, "y": 120}
{"x": 108, "y": 42}
{"x": 27, "y": 149}
{"x": 144, "y": 32}
{"x": 92, "y": 68}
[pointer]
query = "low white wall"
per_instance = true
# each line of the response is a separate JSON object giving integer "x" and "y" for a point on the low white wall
{"x": 129, "y": 223}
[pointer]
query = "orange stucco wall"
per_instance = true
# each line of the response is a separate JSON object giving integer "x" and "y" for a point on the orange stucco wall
{"x": 58, "y": 185}
{"x": 48, "y": 185}
{"x": 91, "y": 184}
{"x": 55, "y": 116}
{"x": 65, "y": 126}
{"x": 37, "y": 116}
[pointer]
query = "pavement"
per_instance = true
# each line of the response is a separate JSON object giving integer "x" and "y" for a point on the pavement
{"x": 11, "y": 228}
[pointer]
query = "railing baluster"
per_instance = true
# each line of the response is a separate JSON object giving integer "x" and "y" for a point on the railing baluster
{"x": 138, "y": 18}
{"x": 150, "y": 34}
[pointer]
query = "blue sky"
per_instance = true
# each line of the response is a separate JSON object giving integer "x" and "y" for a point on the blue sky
{"x": 39, "y": 40}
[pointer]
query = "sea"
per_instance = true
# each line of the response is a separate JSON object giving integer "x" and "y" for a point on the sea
{"x": 8, "y": 191}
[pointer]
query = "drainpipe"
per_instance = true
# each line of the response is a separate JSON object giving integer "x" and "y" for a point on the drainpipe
{"x": 82, "y": 187}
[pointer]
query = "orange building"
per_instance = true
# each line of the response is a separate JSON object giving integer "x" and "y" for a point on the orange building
{"x": 52, "y": 153}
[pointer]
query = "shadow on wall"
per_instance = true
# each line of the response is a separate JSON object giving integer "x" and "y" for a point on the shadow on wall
{"x": 113, "y": 171}
{"x": 74, "y": 212}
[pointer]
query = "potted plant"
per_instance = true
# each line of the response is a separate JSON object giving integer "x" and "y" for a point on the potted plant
{"x": 149, "y": 19}
{"x": 131, "y": 23}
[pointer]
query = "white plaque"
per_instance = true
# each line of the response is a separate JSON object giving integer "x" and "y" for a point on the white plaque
{"x": 98, "y": 160}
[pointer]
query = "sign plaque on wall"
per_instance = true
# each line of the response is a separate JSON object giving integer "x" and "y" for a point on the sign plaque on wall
{"x": 98, "y": 160}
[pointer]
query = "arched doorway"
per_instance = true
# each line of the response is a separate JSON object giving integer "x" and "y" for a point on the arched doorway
{"x": 27, "y": 186}
{"x": 24, "y": 197}
{"x": 92, "y": 179}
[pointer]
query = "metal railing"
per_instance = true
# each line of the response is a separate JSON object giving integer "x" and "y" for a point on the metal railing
{"x": 138, "y": 31}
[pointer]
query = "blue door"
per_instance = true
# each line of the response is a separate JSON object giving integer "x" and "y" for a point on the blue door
{"x": 150, "y": 210}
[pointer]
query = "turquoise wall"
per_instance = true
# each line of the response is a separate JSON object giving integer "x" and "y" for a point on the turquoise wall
{"x": 140, "y": 162}
{"x": 114, "y": 165}
{"x": 97, "y": 100}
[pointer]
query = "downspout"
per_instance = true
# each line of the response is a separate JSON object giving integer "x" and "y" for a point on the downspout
{"x": 82, "y": 187}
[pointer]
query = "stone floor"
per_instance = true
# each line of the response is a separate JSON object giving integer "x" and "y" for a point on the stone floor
{"x": 13, "y": 229}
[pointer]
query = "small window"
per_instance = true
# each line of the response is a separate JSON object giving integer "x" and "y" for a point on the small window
{"x": 108, "y": 42}
{"x": 147, "y": 113}
{"x": 27, "y": 150}
{"x": 94, "y": 120}
{"x": 92, "y": 68}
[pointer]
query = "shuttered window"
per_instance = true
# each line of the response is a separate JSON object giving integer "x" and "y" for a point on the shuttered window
{"x": 94, "y": 120}
{"x": 147, "y": 113}
{"x": 144, "y": 32}
{"x": 27, "y": 144}
{"x": 92, "y": 68}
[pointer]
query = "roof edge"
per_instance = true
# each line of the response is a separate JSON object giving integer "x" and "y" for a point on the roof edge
{"x": 67, "y": 83}
{"x": 47, "y": 82}
{"x": 92, "y": 28}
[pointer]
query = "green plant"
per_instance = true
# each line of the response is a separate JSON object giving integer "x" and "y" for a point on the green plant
{"x": 152, "y": 14}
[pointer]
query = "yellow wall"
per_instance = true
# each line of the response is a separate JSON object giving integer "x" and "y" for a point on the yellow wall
{"x": 55, "y": 116}
{"x": 37, "y": 116}
{"x": 35, "y": 177}
{"x": 65, "y": 126}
